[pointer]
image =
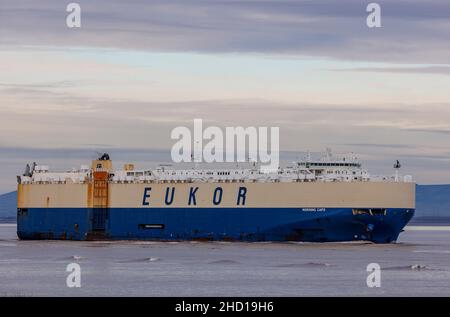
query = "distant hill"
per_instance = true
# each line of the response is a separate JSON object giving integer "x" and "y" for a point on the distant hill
{"x": 432, "y": 205}
{"x": 8, "y": 203}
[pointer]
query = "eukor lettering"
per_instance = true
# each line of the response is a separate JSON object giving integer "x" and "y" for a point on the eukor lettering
{"x": 192, "y": 193}
{"x": 170, "y": 193}
{"x": 217, "y": 197}
{"x": 168, "y": 200}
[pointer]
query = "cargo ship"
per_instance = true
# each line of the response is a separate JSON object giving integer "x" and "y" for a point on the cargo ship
{"x": 322, "y": 200}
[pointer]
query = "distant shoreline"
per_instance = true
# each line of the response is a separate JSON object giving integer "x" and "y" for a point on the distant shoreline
{"x": 8, "y": 220}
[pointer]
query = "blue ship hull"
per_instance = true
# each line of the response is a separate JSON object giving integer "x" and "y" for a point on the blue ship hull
{"x": 236, "y": 224}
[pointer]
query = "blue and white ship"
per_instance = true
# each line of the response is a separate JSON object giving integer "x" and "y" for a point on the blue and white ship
{"x": 329, "y": 199}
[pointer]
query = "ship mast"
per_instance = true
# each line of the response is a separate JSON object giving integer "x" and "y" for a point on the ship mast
{"x": 397, "y": 167}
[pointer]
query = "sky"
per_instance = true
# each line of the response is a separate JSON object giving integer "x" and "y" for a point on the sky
{"x": 137, "y": 69}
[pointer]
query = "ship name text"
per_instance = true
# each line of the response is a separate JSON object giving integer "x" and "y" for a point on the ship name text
{"x": 191, "y": 199}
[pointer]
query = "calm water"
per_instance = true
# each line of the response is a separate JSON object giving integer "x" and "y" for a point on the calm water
{"x": 38, "y": 268}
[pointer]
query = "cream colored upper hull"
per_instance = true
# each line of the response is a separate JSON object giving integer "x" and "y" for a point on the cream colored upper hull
{"x": 275, "y": 195}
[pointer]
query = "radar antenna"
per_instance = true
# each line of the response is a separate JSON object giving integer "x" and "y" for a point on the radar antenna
{"x": 104, "y": 157}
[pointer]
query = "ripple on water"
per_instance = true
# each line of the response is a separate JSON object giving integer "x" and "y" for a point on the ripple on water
{"x": 305, "y": 265}
{"x": 412, "y": 267}
{"x": 226, "y": 262}
{"x": 141, "y": 260}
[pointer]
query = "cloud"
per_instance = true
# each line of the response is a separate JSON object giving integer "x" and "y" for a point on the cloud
{"x": 412, "y": 31}
{"x": 47, "y": 118}
{"x": 49, "y": 85}
{"x": 63, "y": 106}
{"x": 431, "y": 130}
{"x": 372, "y": 145}
{"x": 439, "y": 70}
